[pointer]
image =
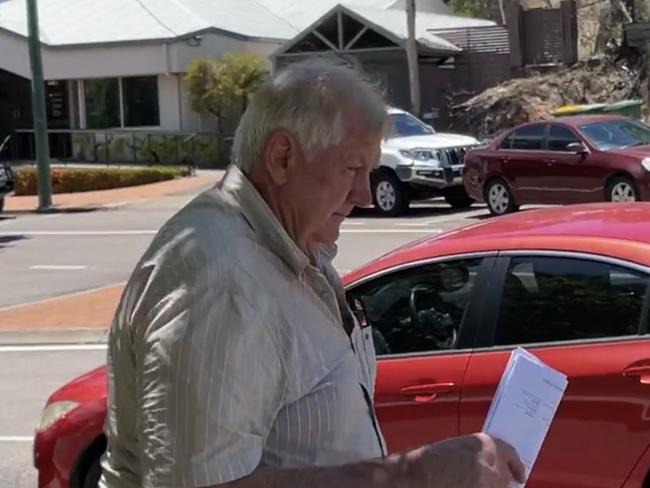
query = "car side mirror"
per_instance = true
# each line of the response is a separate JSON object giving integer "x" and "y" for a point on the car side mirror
{"x": 577, "y": 147}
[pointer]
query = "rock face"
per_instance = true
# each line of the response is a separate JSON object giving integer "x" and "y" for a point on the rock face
{"x": 519, "y": 100}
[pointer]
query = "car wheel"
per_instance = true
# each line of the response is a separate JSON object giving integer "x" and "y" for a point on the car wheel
{"x": 389, "y": 196}
{"x": 458, "y": 198}
{"x": 622, "y": 189}
{"x": 91, "y": 479}
{"x": 499, "y": 198}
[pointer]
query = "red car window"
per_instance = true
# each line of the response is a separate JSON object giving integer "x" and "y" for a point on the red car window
{"x": 548, "y": 299}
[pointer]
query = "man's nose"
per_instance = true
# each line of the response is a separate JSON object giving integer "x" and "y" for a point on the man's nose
{"x": 361, "y": 193}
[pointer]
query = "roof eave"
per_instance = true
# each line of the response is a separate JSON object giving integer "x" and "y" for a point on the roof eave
{"x": 155, "y": 40}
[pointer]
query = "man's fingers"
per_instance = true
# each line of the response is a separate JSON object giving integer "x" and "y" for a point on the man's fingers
{"x": 517, "y": 469}
{"x": 512, "y": 460}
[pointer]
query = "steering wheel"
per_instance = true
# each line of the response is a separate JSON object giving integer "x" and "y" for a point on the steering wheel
{"x": 435, "y": 326}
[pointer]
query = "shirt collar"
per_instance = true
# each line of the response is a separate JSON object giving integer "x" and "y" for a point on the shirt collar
{"x": 262, "y": 219}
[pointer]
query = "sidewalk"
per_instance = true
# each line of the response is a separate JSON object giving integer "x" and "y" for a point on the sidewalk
{"x": 83, "y": 316}
{"x": 108, "y": 198}
{"x": 78, "y": 317}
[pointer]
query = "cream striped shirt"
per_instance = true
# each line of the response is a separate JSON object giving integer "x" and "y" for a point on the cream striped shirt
{"x": 229, "y": 351}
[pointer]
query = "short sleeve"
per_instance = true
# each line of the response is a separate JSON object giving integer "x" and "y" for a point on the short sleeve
{"x": 211, "y": 383}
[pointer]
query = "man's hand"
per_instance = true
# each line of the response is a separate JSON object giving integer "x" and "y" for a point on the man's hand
{"x": 475, "y": 461}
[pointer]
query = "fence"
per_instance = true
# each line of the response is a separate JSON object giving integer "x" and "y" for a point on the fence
{"x": 543, "y": 36}
{"x": 119, "y": 146}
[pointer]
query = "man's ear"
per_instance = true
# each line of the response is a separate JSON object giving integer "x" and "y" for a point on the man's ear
{"x": 280, "y": 154}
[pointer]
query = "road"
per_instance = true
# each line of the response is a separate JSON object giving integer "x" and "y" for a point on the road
{"x": 42, "y": 256}
{"x": 48, "y": 255}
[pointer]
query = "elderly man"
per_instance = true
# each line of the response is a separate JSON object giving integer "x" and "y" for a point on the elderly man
{"x": 233, "y": 357}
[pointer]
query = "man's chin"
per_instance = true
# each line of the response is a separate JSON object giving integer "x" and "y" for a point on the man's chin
{"x": 328, "y": 236}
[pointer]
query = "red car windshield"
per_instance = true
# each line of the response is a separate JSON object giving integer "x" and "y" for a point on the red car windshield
{"x": 616, "y": 134}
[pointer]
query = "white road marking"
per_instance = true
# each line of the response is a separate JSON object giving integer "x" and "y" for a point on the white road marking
{"x": 75, "y": 233}
{"x": 105, "y": 233}
{"x": 456, "y": 217}
{"x": 16, "y": 438}
{"x": 53, "y": 348}
{"x": 412, "y": 224}
{"x": 391, "y": 231}
{"x": 54, "y": 267}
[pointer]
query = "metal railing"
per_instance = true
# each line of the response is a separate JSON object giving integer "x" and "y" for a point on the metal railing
{"x": 126, "y": 146}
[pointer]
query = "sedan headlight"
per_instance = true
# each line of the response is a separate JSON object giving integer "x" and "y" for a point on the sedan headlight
{"x": 54, "y": 411}
{"x": 646, "y": 164}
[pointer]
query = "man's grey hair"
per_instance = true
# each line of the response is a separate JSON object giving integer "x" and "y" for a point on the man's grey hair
{"x": 309, "y": 99}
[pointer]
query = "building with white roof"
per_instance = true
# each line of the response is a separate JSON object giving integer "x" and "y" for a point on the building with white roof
{"x": 121, "y": 63}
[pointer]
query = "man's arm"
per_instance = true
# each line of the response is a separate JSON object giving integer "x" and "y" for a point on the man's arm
{"x": 476, "y": 461}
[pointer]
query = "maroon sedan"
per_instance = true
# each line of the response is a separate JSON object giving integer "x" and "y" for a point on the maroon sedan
{"x": 566, "y": 160}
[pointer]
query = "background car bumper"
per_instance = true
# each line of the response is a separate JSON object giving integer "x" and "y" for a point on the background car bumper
{"x": 473, "y": 184}
{"x": 434, "y": 177}
{"x": 6, "y": 187}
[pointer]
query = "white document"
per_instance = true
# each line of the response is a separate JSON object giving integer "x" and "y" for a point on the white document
{"x": 524, "y": 405}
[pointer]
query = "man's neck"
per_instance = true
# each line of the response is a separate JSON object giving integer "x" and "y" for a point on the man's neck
{"x": 271, "y": 195}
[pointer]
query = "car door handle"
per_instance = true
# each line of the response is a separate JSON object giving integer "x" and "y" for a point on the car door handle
{"x": 550, "y": 162}
{"x": 426, "y": 392}
{"x": 641, "y": 372}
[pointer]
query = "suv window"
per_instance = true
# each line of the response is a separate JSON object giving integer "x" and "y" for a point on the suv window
{"x": 547, "y": 299}
{"x": 419, "y": 309}
{"x": 560, "y": 137}
{"x": 530, "y": 137}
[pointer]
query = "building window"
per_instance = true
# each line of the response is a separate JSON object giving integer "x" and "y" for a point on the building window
{"x": 138, "y": 100}
{"x": 140, "y": 96}
{"x": 102, "y": 103}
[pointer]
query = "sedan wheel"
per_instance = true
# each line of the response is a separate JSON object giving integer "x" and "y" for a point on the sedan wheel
{"x": 622, "y": 190}
{"x": 498, "y": 197}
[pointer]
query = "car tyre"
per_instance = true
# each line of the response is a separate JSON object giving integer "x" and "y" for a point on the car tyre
{"x": 458, "y": 198}
{"x": 389, "y": 196}
{"x": 622, "y": 189}
{"x": 499, "y": 197}
{"x": 91, "y": 478}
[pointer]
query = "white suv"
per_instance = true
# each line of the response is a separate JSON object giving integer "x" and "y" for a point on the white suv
{"x": 418, "y": 163}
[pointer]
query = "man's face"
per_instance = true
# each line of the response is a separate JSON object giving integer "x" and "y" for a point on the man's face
{"x": 328, "y": 184}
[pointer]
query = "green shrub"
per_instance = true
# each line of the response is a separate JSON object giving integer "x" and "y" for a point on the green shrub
{"x": 72, "y": 180}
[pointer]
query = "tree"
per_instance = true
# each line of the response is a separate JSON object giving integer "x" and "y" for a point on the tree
{"x": 471, "y": 8}
{"x": 479, "y": 8}
{"x": 219, "y": 86}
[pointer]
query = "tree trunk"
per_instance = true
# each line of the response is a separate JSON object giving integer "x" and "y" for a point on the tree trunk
{"x": 502, "y": 12}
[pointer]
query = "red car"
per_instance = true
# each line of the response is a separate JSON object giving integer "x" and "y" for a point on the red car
{"x": 571, "y": 284}
{"x": 566, "y": 160}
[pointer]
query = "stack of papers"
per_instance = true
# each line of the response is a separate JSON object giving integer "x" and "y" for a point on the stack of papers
{"x": 524, "y": 405}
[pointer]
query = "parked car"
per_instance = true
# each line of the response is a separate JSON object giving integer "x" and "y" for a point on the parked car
{"x": 6, "y": 174}
{"x": 568, "y": 283}
{"x": 419, "y": 163}
{"x": 563, "y": 161}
